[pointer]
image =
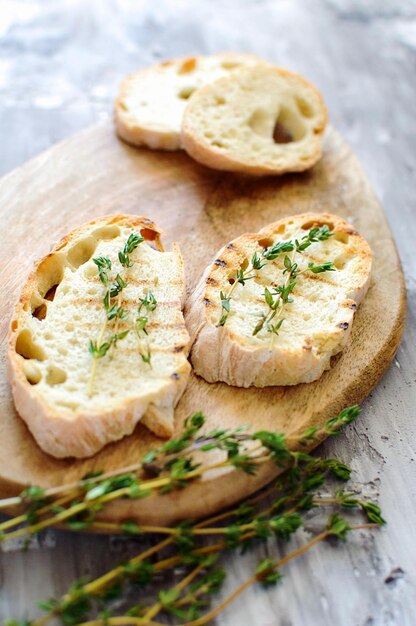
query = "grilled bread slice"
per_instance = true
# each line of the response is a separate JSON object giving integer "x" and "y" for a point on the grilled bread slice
{"x": 259, "y": 120}
{"x": 151, "y": 103}
{"x": 317, "y": 323}
{"x": 61, "y": 311}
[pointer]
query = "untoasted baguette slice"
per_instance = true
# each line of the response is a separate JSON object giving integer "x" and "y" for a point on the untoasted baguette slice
{"x": 260, "y": 120}
{"x": 316, "y": 324}
{"x": 151, "y": 103}
{"x": 61, "y": 310}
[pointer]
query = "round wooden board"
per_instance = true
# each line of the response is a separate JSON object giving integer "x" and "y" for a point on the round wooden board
{"x": 93, "y": 174}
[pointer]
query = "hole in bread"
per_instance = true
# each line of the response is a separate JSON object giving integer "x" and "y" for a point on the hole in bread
{"x": 266, "y": 242}
{"x": 317, "y": 224}
{"x": 340, "y": 261}
{"x": 260, "y": 122}
{"x": 32, "y": 373}
{"x": 36, "y": 301}
{"x": 50, "y": 294}
{"x": 14, "y": 325}
{"x": 304, "y": 107}
{"x": 244, "y": 264}
{"x": 341, "y": 236}
{"x": 231, "y": 281}
{"x": 219, "y": 100}
{"x": 50, "y": 273}
{"x": 90, "y": 271}
{"x": 107, "y": 232}
{"x": 281, "y": 134}
{"x": 27, "y": 348}
{"x": 81, "y": 252}
{"x": 151, "y": 237}
{"x": 148, "y": 234}
{"x": 187, "y": 66}
{"x": 288, "y": 127}
{"x": 186, "y": 92}
{"x": 40, "y": 312}
{"x": 218, "y": 144}
{"x": 55, "y": 376}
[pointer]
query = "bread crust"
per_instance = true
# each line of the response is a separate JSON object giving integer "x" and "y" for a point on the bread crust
{"x": 153, "y": 135}
{"x": 84, "y": 431}
{"x": 220, "y": 353}
{"x": 204, "y": 149}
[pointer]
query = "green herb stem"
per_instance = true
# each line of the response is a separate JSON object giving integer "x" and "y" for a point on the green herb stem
{"x": 113, "y": 311}
{"x": 94, "y": 360}
{"x": 291, "y": 270}
{"x": 156, "y": 608}
{"x": 147, "y": 619}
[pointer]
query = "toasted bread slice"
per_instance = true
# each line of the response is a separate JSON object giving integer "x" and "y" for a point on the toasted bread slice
{"x": 150, "y": 105}
{"x": 316, "y": 324}
{"x": 259, "y": 120}
{"x": 61, "y": 310}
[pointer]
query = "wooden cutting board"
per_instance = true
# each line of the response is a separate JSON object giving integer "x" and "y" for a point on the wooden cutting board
{"x": 93, "y": 174}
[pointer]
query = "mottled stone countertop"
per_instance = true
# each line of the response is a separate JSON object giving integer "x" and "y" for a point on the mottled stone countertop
{"x": 60, "y": 64}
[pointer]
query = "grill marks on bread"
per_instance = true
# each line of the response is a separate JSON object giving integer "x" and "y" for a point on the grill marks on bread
{"x": 317, "y": 323}
{"x": 61, "y": 310}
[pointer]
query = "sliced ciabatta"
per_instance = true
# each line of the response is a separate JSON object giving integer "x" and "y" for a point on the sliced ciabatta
{"x": 235, "y": 336}
{"x": 259, "y": 120}
{"x": 72, "y": 402}
{"x": 150, "y": 105}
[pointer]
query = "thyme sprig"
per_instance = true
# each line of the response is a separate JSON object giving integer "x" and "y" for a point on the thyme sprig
{"x": 112, "y": 303}
{"x": 279, "y": 296}
{"x": 186, "y": 600}
{"x": 131, "y": 244}
{"x": 149, "y": 303}
{"x": 171, "y": 466}
{"x": 278, "y": 512}
{"x": 241, "y": 277}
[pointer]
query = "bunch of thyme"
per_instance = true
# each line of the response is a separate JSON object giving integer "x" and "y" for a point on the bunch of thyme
{"x": 112, "y": 303}
{"x": 281, "y": 295}
{"x": 279, "y": 511}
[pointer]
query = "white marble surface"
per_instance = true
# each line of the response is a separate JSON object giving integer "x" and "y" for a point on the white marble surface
{"x": 60, "y": 63}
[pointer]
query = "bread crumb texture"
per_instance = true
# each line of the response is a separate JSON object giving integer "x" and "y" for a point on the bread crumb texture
{"x": 317, "y": 324}
{"x": 151, "y": 102}
{"x": 61, "y": 310}
{"x": 259, "y": 120}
